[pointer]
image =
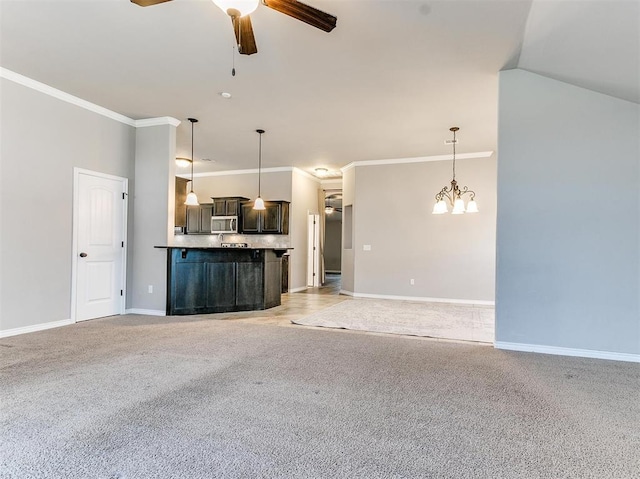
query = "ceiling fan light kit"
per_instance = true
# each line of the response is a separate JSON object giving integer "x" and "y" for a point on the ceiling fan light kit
{"x": 238, "y": 8}
{"x": 453, "y": 194}
{"x": 239, "y": 11}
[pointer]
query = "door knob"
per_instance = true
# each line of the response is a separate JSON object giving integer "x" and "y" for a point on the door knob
{"x": 83, "y": 255}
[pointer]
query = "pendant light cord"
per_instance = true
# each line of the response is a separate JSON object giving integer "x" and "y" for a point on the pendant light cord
{"x": 191, "y": 156}
{"x": 454, "y": 155}
{"x": 259, "y": 164}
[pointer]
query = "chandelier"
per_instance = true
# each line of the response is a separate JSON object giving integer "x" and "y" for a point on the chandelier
{"x": 453, "y": 194}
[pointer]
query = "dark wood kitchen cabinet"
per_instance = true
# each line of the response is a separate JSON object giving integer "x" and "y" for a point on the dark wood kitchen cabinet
{"x": 274, "y": 219}
{"x": 222, "y": 279}
{"x": 228, "y": 206}
{"x": 199, "y": 218}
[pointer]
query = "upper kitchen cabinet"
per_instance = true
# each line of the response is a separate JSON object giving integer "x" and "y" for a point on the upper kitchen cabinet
{"x": 274, "y": 219}
{"x": 228, "y": 206}
{"x": 199, "y": 218}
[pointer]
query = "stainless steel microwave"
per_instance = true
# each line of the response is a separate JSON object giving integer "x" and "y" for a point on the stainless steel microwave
{"x": 224, "y": 224}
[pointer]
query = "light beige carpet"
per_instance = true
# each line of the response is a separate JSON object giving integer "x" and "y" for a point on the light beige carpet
{"x": 436, "y": 320}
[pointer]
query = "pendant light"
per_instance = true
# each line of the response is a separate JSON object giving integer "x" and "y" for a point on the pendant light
{"x": 259, "y": 203}
{"x": 453, "y": 193}
{"x": 192, "y": 199}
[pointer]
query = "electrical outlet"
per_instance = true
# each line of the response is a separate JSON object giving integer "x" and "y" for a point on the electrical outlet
{"x": 150, "y": 289}
{"x": 412, "y": 281}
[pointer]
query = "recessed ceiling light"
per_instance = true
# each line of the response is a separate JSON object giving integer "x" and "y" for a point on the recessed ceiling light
{"x": 225, "y": 94}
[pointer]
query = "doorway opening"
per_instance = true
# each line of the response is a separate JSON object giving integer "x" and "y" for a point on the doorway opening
{"x": 324, "y": 256}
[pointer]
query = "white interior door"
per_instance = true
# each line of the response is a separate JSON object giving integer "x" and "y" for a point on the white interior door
{"x": 100, "y": 245}
{"x": 313, "y": 256}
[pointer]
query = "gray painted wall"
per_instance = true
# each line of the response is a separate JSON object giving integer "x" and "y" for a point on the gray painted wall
{"x": 333, "y": 242}
{"x": 305, "y": 202}
{"x": 348, "y": 253}
{"x": 43, "y": 139}
{"x": 275, "y": 185}
{"x": 449, "y": 257}
{"x": 568, "y": 227}
{"x": 154, "y": 200}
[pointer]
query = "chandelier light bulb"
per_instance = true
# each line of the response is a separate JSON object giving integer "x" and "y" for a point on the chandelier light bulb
{"x": 458, "y": 207}
{"x": 440, "y": 207}
{"x": 472, "y": 207}
{"x": 245, "y": 7}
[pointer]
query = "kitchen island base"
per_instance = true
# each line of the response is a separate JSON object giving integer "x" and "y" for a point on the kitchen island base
{"x": 219, "y": 280}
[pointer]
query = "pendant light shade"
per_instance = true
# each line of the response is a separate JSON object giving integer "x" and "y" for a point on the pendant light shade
{"x": 258, "y": 204}
{"x": 192, "y": 199}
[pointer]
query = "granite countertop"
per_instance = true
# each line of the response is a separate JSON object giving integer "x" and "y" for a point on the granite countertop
{"x": 182, "y": 246}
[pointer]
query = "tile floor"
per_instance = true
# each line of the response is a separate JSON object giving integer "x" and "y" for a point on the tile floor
{"x": 302, "y": 304}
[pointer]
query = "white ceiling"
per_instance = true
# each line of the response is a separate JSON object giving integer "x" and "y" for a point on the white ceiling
{"x": 388, "y": 82}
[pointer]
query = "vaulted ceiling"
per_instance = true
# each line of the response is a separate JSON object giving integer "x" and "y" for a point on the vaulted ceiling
{"x": 388, "y": 82}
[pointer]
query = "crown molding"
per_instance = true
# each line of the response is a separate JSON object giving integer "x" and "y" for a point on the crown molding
{"x": 87, "y": 105}
{"x": 162, "y": 120}
{"x": 420, "y": 159}
{"x": 66, "y": 97}
{"x": 251, "y": 171}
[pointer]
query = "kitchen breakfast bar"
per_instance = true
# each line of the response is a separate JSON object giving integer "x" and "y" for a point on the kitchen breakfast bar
{"x": 217, "y": 279}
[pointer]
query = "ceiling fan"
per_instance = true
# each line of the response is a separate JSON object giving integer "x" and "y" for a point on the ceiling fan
{"x": 239, "y": 11}
{"x": 328, "y": 203}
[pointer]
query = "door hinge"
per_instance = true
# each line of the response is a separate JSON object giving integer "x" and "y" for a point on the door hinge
{"x": 120, "y": 292}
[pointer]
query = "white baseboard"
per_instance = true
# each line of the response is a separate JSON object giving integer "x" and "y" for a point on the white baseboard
{"x": 333, "y": 271}
{"x": 582, "y": 353}
{"x": 36, "y": 327}
{"x": 297, "y": 290}
{"x": 146, "y": 312}
{"x": 478, "y": 302}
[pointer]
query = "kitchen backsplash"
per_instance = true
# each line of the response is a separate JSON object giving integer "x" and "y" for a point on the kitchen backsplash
{"x": 257, "y": 241}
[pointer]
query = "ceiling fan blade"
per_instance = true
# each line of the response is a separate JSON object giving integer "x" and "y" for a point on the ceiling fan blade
{"x": 148, "y": 3}
{"x": 244, "y": 35}
{"x": 304, "y": 13}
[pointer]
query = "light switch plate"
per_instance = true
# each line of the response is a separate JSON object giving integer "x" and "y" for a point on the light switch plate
{"x": 366, "y": 247}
